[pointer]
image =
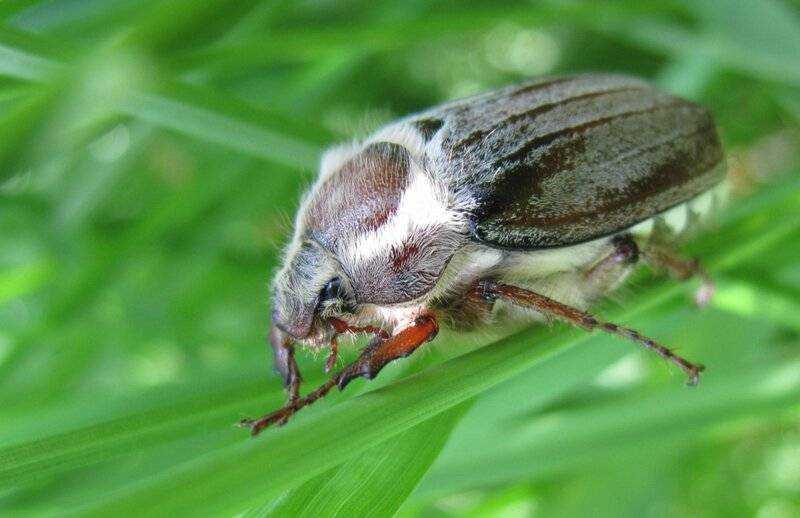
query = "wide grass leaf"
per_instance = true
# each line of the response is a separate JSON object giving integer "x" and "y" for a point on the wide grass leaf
{"x": 375, "y": 482}
{"x": 326, "y": 438}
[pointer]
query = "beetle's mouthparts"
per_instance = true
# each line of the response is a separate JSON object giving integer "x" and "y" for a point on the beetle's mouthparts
{"x": 320, "y": 334}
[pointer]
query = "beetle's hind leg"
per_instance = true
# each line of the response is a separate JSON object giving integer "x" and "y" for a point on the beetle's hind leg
{"x": 665, "y": 258}
{"x": 547, "y": 306}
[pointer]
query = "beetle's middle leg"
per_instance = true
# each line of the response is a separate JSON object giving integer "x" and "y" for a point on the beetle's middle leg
{"x": 529, "y": 299}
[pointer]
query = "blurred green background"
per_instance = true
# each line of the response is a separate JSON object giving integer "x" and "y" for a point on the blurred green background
{"x": 151, "y": 157}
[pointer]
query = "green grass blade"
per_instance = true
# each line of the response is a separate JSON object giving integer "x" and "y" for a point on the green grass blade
{"x": 600, "y": 432}
{"x": 375, "y": 482}
{"x": 223, "y": 478}
{"x": 151, "y": 157}
{"x": 229, "y": 123}
{"x": 165, "y": 103}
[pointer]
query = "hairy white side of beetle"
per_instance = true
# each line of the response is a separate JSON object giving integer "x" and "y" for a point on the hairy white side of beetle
{"x": 330, "y": 162}
{"x": 393, "y": 318}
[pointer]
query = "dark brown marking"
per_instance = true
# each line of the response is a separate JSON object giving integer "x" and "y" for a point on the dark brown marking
{"x": 535, "y": 87}
{"x": 401, "y": 257}
{"x": 548, "y": 138}
{"x": 547, "y": 107}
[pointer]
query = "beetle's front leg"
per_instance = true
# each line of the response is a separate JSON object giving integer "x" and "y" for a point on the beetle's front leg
{"x": 374, "y": 357}
{"x": 383, "y": 350}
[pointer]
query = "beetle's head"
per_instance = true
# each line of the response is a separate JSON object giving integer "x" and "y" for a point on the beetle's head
{"x": 308, "y": 292}
{"x": 374, "y": 231}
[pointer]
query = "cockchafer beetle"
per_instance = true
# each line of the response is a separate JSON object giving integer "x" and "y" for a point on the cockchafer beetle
{"x": 533, "y": 201}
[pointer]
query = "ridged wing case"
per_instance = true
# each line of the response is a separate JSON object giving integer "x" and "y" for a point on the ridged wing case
{"x": 564, "y": 160}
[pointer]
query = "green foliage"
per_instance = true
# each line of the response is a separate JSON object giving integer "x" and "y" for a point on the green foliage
{"x": 151, "y": 157}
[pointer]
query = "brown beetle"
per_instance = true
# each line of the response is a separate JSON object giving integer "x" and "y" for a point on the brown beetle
{"x": 529, "y": 202}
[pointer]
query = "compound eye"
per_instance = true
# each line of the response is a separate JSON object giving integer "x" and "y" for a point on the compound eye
{"x": 332, "y": 290}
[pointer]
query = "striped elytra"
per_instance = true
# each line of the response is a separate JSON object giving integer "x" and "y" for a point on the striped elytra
{"x": 566, "y": 160}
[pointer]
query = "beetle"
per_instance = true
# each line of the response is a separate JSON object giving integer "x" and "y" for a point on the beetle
{"x": 533, "y": 201}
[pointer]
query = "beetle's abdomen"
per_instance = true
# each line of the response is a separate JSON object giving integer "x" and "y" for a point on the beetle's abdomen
{"x": 572, "y": 159}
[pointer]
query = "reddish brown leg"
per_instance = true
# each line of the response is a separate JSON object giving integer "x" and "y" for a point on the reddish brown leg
{"x": 282, "y": 415}
{"x": 341, "y": 327}
{"x": 381, "y": 350}
{"x": 545, "y": 305}
{"x": 373, "y": 358}
{"x": 666, "y": 259}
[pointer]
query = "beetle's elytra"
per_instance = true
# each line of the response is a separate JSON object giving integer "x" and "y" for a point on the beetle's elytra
{"x": 529, "y": 202}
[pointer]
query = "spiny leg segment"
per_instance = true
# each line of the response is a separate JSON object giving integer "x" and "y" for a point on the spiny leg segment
{"x": 532, "y": 300}
{"x": 381, "y": 351}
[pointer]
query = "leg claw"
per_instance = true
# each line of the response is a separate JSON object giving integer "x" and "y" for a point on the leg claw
{"x": 359, "y": 369}
{"x": 279, "y": 418}
{"x": 694, "y": 375}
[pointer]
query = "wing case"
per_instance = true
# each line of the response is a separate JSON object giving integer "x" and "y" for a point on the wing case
{"x": 564, "y": 160}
